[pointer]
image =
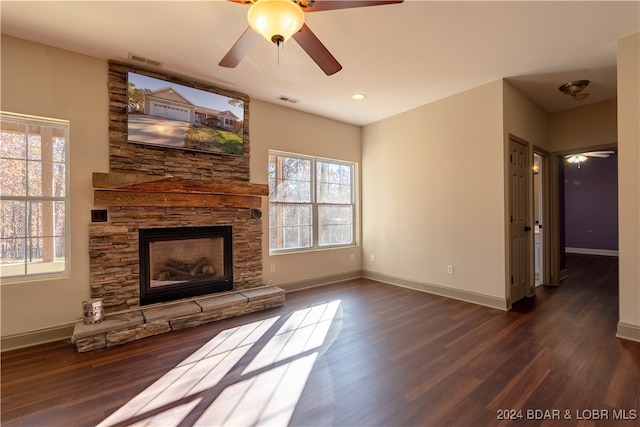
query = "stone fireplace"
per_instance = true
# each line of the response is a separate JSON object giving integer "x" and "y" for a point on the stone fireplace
{"x": 118, "y": 272}
{"x": 150, "y": 278}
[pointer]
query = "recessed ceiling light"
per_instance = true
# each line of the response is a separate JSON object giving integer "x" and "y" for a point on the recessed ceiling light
{"x": 358, "y": 97}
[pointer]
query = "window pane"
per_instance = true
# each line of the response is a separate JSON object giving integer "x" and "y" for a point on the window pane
{"x": 59, "y": 215}
{"x": 13, "y": 177}
{"x": 289, "y": 179}
{"x": 13, "y": 219}
{"x": 34, "y": 144}
{"x": 12, "y": 252}
{"x": 13, "y": 140}
{"x": 59, "y": 177}
{"x": 34, "y": 179}
{"x": 59, "y": 245}
{"x": 35, "y": 218}
{"x": 59, "y": 148}
{"x": 40, "y": 257}
{"x": 46, "y": 179}
{"x": 335, "y": 225}
{"x": 334, "y": 183}
{"x": 290, "y": 226}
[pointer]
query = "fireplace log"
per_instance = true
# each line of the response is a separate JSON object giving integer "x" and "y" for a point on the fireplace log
{"x": 199, "y": 266}
{"x": 176, "y": 272}
{"x": 179, "y": 270}
{"x": 163, "y": 275}
{"x": 177, "y": 265}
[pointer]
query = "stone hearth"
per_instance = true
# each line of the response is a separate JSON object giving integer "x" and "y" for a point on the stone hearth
{"x": 154, "y": 320}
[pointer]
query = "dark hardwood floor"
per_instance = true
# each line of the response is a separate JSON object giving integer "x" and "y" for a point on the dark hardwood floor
{"x": 357, "y": 353}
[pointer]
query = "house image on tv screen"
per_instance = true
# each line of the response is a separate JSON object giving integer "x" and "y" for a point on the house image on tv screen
{"x": 166, "y": 114}
{"x": 167, "y": 102}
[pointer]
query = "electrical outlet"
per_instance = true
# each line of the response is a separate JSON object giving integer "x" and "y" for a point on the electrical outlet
{"x": 273, "y": 268}
{"x": 373, "y": 258}
{"x": 449, "y": 269}
{"x": 352, "y": 257}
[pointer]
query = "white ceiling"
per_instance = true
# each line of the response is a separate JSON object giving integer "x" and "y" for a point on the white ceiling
{"x": 401, "y": 56}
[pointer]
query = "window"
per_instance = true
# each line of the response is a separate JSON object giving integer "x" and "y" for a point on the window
{"x": 311, "y": 202}
{"x": 33, "y": 195}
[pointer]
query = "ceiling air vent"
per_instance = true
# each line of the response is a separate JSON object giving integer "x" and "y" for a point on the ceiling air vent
{"x": 143, "y": 60}
{"x": 287, "y": 99}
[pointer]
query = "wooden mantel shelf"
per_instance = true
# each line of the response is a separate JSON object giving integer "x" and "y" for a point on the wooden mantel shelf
{"x": 128, "y": 189}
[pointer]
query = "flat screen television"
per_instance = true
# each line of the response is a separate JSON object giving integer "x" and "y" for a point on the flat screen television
{"x": 166, "y": 114}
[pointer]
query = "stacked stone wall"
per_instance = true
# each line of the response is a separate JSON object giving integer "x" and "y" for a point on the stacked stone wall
{"x": 114, "y": 248}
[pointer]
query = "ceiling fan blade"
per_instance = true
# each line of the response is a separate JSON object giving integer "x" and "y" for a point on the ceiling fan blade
{"x": 601, "y": 154}
{"x": 320, "y": 5}
{"x": 240, "y": 49}
{"x": 316, "y": 50}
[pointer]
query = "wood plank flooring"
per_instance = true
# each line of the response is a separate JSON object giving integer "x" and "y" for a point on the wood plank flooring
{"x": 357, "y": 353}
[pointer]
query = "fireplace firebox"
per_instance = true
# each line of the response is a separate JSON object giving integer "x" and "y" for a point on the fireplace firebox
{"x": 184, "y": 262}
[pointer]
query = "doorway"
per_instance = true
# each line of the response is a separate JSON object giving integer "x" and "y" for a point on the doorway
{"x": 605, "y": 196}
{"x": 541, "y": 217}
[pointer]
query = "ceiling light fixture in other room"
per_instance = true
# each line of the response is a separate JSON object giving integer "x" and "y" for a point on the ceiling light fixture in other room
{"x": 275, "y": 20}
{"x": 576, "y": 159}
{"x": 358, "y": 97}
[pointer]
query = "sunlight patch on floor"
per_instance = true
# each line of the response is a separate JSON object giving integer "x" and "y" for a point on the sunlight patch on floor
{"x": 265, "y": 399}
{"x": 249, "y": 375}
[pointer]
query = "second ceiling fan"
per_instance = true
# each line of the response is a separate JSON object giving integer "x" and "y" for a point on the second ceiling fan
{"x": 279, "y": 20}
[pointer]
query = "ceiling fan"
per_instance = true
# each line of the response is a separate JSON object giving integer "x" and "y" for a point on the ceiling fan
{"x": 279, "y": 20}
{"x": 581, "y": 157}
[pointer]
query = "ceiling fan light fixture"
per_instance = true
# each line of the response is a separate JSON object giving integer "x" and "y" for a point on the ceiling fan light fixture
{"x": 275, "y": 20}
{"x": 577, "y": 158}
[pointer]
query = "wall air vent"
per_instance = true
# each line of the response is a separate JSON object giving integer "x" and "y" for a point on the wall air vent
{"x": 287, "y": 99}
{"x": 143, "y": 60}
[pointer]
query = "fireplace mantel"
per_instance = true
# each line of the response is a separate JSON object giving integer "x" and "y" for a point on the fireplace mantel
{"x": 130, "y": 189}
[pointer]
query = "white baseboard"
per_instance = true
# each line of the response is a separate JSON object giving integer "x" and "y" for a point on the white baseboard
{"x": 628, "y": 332}
{"x": 458, "y": 294}
{"x": 588, "y": 251}
{"x": 41, "y": 336}
{"x": 472, "y": 297}
{"x": 320, "y": 281}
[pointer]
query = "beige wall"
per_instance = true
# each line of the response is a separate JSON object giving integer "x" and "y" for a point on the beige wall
{"x": 44, "y": 81}
{"x": 593, "y": 125}
{"x": 629, "y": 184}
{"x": 525, "y": 119}
{"x": 433, "y": 196}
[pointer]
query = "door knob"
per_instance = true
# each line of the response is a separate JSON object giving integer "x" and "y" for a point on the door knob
{"x": 527, "y": 228}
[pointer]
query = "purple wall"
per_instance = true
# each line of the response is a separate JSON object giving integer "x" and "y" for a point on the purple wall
{"x": 591, "y": 204}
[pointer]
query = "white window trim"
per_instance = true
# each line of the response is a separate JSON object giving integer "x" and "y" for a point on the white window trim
{"x": 65, "y": 273}
{"x": 314, "y": 210}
